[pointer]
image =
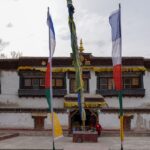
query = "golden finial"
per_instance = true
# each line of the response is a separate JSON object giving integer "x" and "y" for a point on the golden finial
{"x": 81, "y": 48}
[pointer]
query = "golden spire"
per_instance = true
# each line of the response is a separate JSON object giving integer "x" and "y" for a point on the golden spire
{"x": 81, "y": 48}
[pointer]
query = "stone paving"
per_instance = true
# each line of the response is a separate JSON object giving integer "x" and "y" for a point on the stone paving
{"x": 65, "y": 143}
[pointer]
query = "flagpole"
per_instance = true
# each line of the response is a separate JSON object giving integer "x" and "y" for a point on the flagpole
{"x": 51, "y": 95}
{"x": 120, "y": 93}
{"x": 51, "y": 88}
{"x": 121, "y": 120}
{"x": 76, "y": 61}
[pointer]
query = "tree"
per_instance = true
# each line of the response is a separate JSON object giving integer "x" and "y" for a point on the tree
{"x": 15, "y": 54}
{"x": 3, "y": 44}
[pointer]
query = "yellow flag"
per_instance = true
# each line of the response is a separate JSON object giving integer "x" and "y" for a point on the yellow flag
{"x": 57, "y": 126}
{"x": 121, "y": 129}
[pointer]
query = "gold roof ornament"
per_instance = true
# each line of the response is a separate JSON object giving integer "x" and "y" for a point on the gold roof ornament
{"x": 81, "y": 48}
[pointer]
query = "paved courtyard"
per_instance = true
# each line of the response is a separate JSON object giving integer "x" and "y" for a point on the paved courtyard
{"x": 104, "y": 143}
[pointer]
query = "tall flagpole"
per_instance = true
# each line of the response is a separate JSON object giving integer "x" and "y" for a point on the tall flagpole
{"x": 115, "y": 23}
{"x": 76, "y": 61}
{"x": 120, "y": 93}
{"x": 51, "y": 89}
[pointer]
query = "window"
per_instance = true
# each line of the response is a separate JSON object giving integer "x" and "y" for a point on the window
{"x": 42, "y": 82}
{"x": 32, "y": 83}
{"x": 128, "y": 83}
{"x": 131, "y": 83}
{"x": 36, "y": 80}
{"x": 73, "y": 85}
{"x": 39, "y": 83}
{"x": 58, "y": 83}
{"x": 27, "y": 82}
{"x": 106, "y": 83}
{"x": 135, "y": 82}
{"x": 72, "y": 82}
{"x": 35, "y": 83}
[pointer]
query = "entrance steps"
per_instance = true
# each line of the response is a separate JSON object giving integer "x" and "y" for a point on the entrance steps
{"x": 4, "y": 136}
{"x": 112, "y": 133}
{"x": 47, "y": 132}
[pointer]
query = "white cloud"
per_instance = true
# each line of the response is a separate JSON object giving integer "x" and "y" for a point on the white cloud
{"x": 29, "y": 32}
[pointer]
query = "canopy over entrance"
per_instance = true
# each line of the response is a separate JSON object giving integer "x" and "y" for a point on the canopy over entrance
{"x": 91, "y": 101}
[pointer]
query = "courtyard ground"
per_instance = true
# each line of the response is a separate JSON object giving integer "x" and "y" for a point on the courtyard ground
{"x": 65, "y": 143}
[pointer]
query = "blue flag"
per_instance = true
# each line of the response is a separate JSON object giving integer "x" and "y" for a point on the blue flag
{"x": 51, "y": 34}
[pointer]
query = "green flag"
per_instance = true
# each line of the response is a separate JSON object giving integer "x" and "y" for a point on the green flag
{"x": 76, "y": 59}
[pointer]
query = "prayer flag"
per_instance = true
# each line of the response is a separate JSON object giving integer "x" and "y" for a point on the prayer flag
{"x": 114, "y": 20}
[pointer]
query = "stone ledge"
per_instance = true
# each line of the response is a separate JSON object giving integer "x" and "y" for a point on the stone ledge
{"x": 7, "y": 136}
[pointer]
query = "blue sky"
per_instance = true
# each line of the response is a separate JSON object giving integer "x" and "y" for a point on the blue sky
{"x": 23, "y": 26}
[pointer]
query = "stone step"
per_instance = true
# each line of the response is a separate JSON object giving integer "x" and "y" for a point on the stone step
{"x": 4, "y": 136}
{"x": 105, "y": 133}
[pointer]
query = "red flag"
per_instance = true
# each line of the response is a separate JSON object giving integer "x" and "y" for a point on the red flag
{"x": 114, "y": 20}
{"x": 47, "y": 76}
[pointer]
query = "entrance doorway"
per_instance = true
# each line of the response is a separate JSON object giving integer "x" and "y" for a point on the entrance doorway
{"x": 75, "y": 122}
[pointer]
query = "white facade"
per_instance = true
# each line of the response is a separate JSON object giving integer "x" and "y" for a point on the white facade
{"x": 9, "y": 98}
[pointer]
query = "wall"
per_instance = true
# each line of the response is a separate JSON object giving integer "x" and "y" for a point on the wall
{"x": 130, "y": 102}
{"x": 63, "y": 118}
{"x": 109, "y": 121}
{"x": 9, "y": 94}
{"x": 16, "y": 120}
{"x": 25, "y": 120}
{"x": 9, "y": 98}
{"x": 92, "y": 83}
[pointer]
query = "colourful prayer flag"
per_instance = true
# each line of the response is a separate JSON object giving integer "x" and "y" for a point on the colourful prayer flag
{"x": 48, "y": 86}
{"x": 76, "y": 60}
{"x": 115, "y": 23}
{"x": 51, "y": 34}
{"x": 114, "y": 20}
{"x": 57, "y": 126}
{"x": 52, "y": 43}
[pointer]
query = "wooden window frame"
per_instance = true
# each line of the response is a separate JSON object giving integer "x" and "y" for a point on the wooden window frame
{"x": 73, "y": 91}
{"x": 130, "y": 85}
{"x": 59, "y": 87}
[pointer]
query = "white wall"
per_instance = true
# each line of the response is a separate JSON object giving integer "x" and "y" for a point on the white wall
{"x": 130, "y": 102}
{"x": 16, "y": 120}
{"x": 9, "y": 94}
{"x": 67, "y": 83}
{"x": 10, "y": 86}
{"x": 109, "y": 121}
{"x": 92, "y": 83}
{"x": 141, "y": 122}
{"x": 25, "y": 120}
{"x": 63, "y": 118}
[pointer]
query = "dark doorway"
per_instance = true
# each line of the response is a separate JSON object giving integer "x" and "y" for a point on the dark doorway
{"x": 76, "y": 122}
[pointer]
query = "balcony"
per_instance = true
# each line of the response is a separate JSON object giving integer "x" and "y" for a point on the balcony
{"x": 140, "y": 92}
{"x": 40, "y": 92}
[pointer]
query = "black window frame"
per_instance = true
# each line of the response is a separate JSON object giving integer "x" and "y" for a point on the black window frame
{"x": 85, "y": 90}
{"x": 85, "y": 76}
{"x": 39, "y": 90}
{"x": 128, "y": 89}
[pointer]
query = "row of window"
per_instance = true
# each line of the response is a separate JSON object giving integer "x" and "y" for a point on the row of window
{"x": 40, "y": 83}
{"x": 103, "y": 83}
{"x": 128, "y": 83}
{"x": 57, "y": 83}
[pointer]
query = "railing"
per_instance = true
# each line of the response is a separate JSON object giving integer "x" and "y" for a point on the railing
{"x": 140, "y": 92}
{"x": 41, "y": 92}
